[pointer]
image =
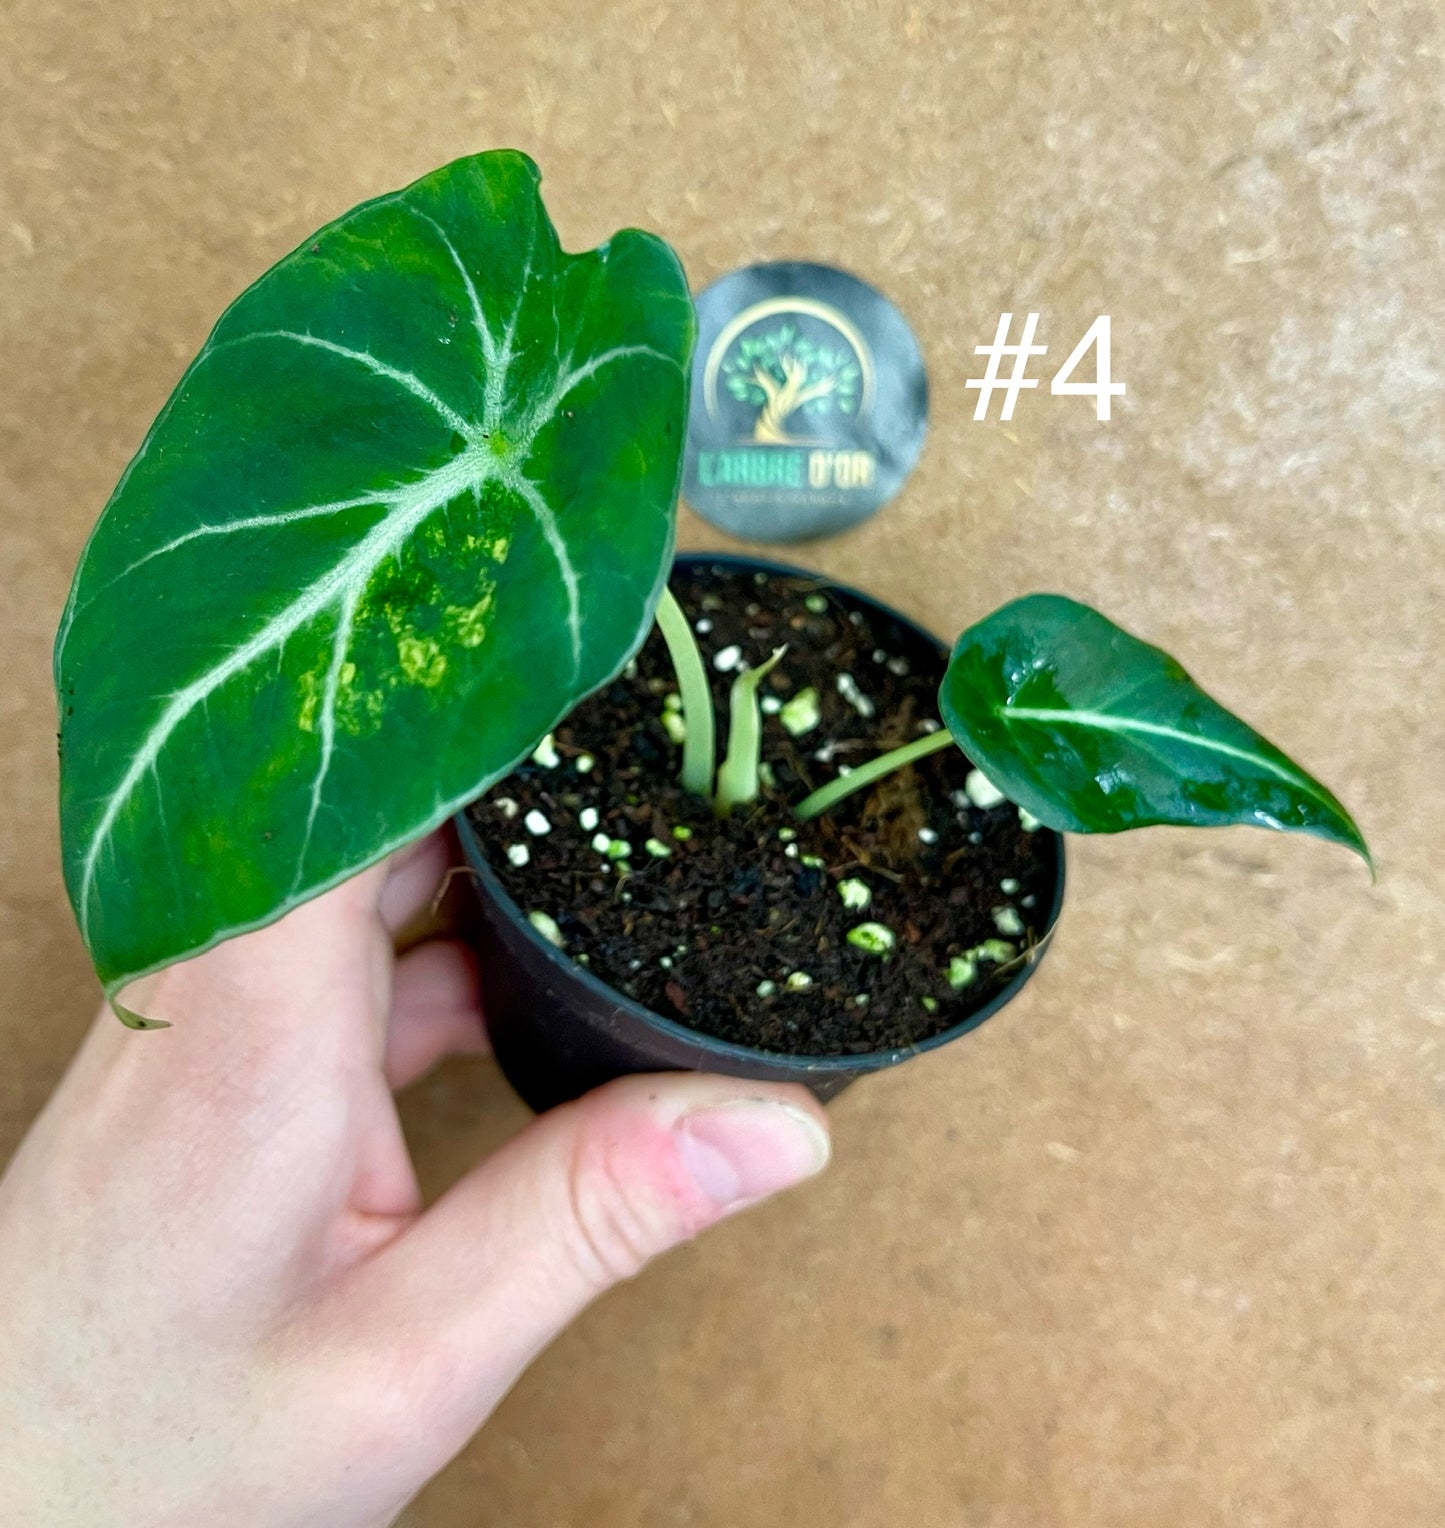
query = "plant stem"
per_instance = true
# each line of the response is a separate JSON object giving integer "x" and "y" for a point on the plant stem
{"x": 832, "y": 793}
{"x": 737, "y": 780}
{"x": 699, "y": 748}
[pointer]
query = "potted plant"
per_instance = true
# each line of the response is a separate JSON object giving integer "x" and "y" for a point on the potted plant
{"x": 394, "y": 551}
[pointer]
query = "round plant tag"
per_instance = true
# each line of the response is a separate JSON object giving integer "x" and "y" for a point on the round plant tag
{"x": 809, "y": 402}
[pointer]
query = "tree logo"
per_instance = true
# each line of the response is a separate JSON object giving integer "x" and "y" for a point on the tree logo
{"x": 800, "y": 368}
{"x": 809, "y": 402}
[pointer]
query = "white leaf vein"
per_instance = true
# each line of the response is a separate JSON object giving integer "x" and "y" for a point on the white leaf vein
{"x": 246, "y": 523}
{"x": 326, "y": 722}
{"x": 1105, "y": 721}
{"x": 545, "y": 517}
{"x": 569, "y": 377}
{"x": 479, "y": 318}
{"x": 412, "y": 383}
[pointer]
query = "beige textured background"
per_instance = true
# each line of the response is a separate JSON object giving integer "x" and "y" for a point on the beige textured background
{"x": 1162, "y": 1244}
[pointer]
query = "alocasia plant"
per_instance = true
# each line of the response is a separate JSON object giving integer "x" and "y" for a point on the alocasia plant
{"x": 414, "y": 499}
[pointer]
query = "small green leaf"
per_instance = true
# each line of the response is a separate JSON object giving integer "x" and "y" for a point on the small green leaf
{"x": 413, "y": 500}
{"x": 1093, "y": 731}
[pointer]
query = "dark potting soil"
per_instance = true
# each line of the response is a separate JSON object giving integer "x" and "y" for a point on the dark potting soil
{"x": 740, "y": 930}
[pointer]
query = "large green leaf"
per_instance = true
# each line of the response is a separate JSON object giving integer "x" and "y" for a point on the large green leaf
{"x": 413, "y": 500}
{"x": 1094, "y": 731}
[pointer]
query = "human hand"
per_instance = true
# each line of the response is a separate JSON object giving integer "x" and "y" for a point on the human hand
{"x": 221, "y": 1301}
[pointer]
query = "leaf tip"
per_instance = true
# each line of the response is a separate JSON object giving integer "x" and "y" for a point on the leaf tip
{"x": 1345, "y": 831}
{"x": 1342, "y": 829}
{"x": 133, "y": 1020}
{"x": 1358, "y": 844}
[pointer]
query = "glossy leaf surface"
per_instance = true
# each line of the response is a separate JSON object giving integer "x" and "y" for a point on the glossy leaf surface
{"x": 1093, "y": 731}
{"x": 412, "y": 501}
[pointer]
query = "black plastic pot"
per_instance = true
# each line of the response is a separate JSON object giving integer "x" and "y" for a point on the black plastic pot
{"x": 558, "y": 1031}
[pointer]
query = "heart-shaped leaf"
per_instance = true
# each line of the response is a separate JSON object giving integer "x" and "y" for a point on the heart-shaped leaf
{"x": 412, "y": 501}
{"x": 1094, "y": 731}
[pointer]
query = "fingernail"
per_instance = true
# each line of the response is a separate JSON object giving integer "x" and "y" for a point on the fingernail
{"x": 741, "y": 1152}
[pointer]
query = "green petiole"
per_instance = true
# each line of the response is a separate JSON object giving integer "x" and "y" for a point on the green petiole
{"x": 832, "y": 793}
{"x": 699, "y": 747}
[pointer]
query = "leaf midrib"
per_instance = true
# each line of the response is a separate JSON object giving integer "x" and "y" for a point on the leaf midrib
{"x": 1106, "y": 721}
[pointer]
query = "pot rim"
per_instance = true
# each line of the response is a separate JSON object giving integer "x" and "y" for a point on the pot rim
{"x": 863, "y": 1061}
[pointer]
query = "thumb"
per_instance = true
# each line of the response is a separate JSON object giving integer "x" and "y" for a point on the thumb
{"x": 579, "y": 1200}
